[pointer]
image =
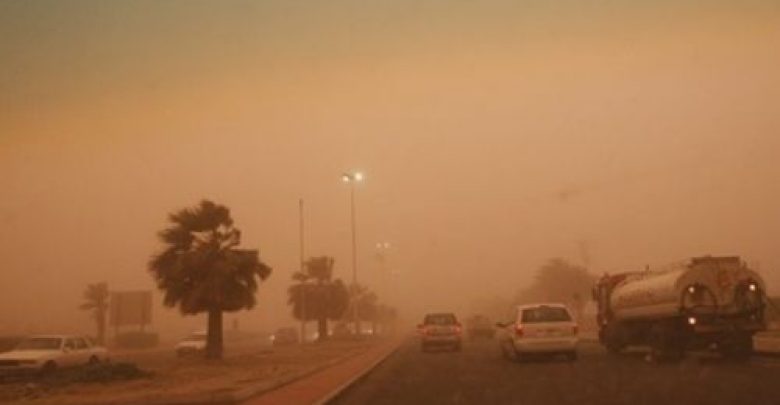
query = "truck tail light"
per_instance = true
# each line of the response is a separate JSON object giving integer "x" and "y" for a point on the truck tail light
{"x": 458, "y": 328}
{"x": 519, "y": 330}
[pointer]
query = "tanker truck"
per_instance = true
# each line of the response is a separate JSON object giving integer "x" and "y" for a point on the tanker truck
{"x": 704, "y": 303}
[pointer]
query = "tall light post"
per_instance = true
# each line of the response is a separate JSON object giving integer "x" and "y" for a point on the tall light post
{"x": 303, "y": 272}
{"x": 382, "y": 253}
{"x": 352, "y": 179}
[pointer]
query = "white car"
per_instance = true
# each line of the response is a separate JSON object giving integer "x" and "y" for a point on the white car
{"x": 46, "y": 353}
{"x": 193, "y": 344}
{"x": 539, "y": 329}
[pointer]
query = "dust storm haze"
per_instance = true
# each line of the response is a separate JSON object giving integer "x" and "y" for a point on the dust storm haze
{"x": 494, "y": 135}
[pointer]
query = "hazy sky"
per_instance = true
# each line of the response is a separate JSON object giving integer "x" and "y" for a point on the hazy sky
{"x": 493, "y": 134}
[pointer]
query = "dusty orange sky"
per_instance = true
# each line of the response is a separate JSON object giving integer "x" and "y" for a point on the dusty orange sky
{"x": 494, "y": 135}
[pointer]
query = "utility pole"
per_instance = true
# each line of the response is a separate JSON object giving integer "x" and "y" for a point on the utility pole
{"x": 303, "y": 271}
{"x": 352, "y": 179}
{"x": 355, "y": 315}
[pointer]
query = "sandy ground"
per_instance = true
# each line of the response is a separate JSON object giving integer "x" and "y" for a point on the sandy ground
{"x": 174, "y": 377}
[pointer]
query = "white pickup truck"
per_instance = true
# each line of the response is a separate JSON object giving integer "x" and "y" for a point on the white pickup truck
{"x": 46, "y": 353}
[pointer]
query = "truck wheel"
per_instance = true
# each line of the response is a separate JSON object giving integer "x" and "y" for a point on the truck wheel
{"x": 614, "y": 338}
{"x": 666, "y": 343}
{"x": 738, "y": 346}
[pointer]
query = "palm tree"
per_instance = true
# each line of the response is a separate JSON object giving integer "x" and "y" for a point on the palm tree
{"x": 365, "y": 302}
{"x": 96, "y": 300}
{"x": 202, "y": 270}
{"x": 321, "y": 300}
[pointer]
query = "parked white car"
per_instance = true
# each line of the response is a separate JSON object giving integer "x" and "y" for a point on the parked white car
{"x": 539, "y": 329}
{"x": 192, "y": 344}
{"x": 46, "y": 353}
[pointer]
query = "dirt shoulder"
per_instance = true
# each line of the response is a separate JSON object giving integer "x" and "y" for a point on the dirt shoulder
{"x": 193, "y": 379}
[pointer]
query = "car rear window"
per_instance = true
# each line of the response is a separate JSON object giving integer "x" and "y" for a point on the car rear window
{"x": 545, "y": 314}
{"x": 440, "y": 319}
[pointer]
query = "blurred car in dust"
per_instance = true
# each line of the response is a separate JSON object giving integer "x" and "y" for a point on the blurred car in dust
{"x": 480, "y": 326}
{"x": 47, "y": 353}
{"x": 440, "y": 330}
{"x": 193, "y": 344}
{"x": 285, "y": 336}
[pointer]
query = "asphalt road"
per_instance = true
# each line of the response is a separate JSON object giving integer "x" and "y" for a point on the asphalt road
{"x": 480, "y": 375}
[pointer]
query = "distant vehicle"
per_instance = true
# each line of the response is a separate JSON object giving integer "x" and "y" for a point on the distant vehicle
{"x": 707, "y": 302}
{"x": 539, "y": 329}
{"x": 285, "y": 336}
{"x": 46, "y": 353}
{"x": 440, "y": 330}
{"x": 193, "y": 344}
{"x": 480, "y": 326}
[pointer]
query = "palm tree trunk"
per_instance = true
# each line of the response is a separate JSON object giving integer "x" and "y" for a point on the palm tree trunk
{"x": 214, "y": 338}
{"x": 322, "y": 328}
{"x": 101, "y": 327}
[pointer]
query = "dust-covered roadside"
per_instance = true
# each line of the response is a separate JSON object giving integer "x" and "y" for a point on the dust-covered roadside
{"x": 179, "y": 379}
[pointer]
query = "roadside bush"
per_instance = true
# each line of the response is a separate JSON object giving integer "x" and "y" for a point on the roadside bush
{"x": 109, "y": 372}
{"x": 137, "y": 340}
{"x": 99, "y": 373}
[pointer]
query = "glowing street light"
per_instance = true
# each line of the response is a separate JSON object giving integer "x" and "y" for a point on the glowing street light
{"x": 352, "y": 177}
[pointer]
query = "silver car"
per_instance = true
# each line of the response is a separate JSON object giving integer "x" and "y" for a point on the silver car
{"x": 440, "y": 330}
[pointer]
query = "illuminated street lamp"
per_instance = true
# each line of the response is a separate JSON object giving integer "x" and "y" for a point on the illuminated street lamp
{"x": 352, "y": 179}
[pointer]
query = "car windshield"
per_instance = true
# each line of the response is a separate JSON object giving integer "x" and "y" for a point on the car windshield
{"x": 546, "y": 314}
{"x": 40, "y": 343}
{"x": 440, "y": 319}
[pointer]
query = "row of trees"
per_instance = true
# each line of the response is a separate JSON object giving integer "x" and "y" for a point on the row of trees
{"x": 317, "y": 296}
{"x": 202, "y": 269}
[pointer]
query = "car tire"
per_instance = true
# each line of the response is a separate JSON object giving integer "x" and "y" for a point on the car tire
{"x": 48, "y": 368}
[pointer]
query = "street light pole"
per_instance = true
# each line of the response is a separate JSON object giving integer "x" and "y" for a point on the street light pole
{"x": 354, "y": 232}
{"x": 353, "y": 178}
{"x": 303, "y": 272}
